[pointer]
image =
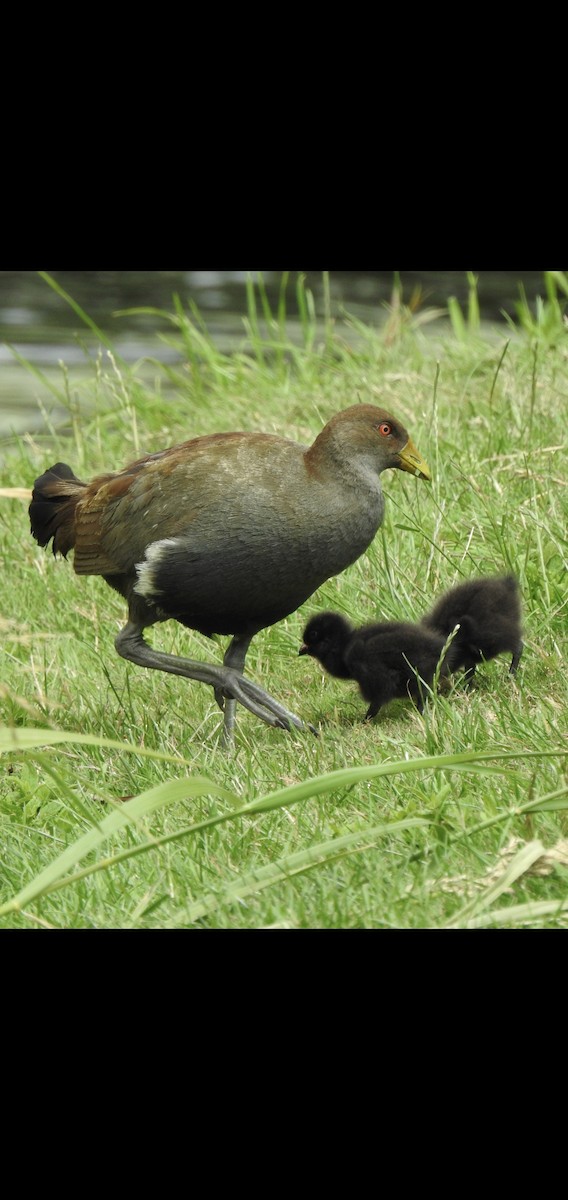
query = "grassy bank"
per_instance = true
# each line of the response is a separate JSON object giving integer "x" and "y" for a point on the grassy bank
{"x": 131, "y": 814}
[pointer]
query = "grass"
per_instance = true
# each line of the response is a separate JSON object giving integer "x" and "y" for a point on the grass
{"x": 120, "y": 809}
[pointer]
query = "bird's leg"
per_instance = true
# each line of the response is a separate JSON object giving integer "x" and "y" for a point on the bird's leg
{"x": 131, "y": 645}
{"x": 234, "y": 657}
{"x": 468, "y": 674}
{"x": 234, "y": 660}
{"x": 516, "y": 658}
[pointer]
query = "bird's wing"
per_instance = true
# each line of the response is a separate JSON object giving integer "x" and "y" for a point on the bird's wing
{"x": 122, "y": 514}
{"x": 173, "y": 493}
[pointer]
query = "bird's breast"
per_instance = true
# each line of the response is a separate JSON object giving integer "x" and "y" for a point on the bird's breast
{"x": 253, "y": 568}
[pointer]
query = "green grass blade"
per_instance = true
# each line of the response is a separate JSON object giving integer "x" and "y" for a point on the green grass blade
{"x": 83, "y": 316}
{"x": 560, "y": 279}
{"x": 556, "y": 801}
{"x": 282, "y": 305}
{"x": 306, "y": 309}
{"x": 348, "y": 776}
{"x": 43, "y": 379}
{"x": 131, "y": 811}
{"x": 22, "y": 739}
{"x": 456, "y": 318}
{"x": 553, "y": 802}
{"x": 283, "y": 797}
{"x": 253, "y": 325}
{"x": 267, "y": 311}
{"x": 520, "y": 914}
{"x": 327, "y": 317}
{"x": 499, "y": 365}
{"x": 294, "y": 864}
{"x": 473, "y": 303}
{"x": 518, "y": 865}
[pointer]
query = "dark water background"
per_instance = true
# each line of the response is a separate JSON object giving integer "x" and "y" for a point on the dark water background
{"x": 38, "y": 323}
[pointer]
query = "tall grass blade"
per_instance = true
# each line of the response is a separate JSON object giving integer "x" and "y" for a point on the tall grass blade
{"x": 83, "y": 316}
{"x": 17, "y": 739}
{"x": 282, "y": 797}
{"x": 559, "y": 279}
{"x": 43, "y": 379}
{"x": 253, "y": 326}
{"x": 518, "y": 865}
{"x": 520, "y": 914}
{"x": 499, "y": 365}
{"x": 282, "y": 305}
{"x": 473, "y": 303}
{"x": 294, "y": 864}
{"x": 131, "y": 811}
{"x": 306, "y": 310}
{"x": 347, "y": 776}
{"x": 456, "y": 318}
{"x": 328, "y": 319}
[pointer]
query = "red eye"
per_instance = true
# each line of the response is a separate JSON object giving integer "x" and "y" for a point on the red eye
{"x": 385, "y": 429}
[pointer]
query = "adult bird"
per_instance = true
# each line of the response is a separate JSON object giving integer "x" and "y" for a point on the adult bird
{"x": 226, "y": 533}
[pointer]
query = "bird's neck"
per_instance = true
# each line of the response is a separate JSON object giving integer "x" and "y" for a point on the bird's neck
{"x": 329, "y": 459}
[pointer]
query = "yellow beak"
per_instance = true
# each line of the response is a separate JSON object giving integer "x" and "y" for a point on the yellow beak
{"x": 411, "y": 460}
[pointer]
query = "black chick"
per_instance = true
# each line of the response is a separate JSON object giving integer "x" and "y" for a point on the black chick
{"x": 391, "y": 660}
{"x": 488, "y": 612}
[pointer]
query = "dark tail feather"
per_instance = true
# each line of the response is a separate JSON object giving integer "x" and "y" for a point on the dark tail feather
{"x": 52, "y": 510}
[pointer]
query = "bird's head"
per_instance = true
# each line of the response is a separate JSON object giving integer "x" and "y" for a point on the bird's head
{"x": 325, "y": 633}
{"x": 364, "y": 430}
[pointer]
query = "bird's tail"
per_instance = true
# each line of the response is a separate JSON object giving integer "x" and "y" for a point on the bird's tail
{"x": 52, "y": 510}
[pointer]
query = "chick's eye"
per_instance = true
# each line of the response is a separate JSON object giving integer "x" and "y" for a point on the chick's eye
{"x": 385, "y": 428}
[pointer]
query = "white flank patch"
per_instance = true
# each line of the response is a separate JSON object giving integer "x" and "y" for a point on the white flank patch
{"x": 155, "y": 552}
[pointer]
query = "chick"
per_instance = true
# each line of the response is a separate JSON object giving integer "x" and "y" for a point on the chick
{"x": 390, "y": 660}
{"x": 488, "y": 611}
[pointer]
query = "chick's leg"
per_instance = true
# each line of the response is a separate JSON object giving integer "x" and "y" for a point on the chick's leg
{"x": 516, "y": 658}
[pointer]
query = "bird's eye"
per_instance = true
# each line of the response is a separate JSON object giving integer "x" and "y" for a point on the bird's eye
{"x": 385, "y": 429}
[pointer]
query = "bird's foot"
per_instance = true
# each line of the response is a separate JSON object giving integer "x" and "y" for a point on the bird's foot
{"x": 259, "y": 702}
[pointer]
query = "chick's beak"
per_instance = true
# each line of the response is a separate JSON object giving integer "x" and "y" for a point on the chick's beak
{"x": 303, "y": 649}
{"x": 409, "y": 459}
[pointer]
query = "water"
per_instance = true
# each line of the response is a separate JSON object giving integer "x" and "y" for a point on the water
{"x": 40, "y": 326}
